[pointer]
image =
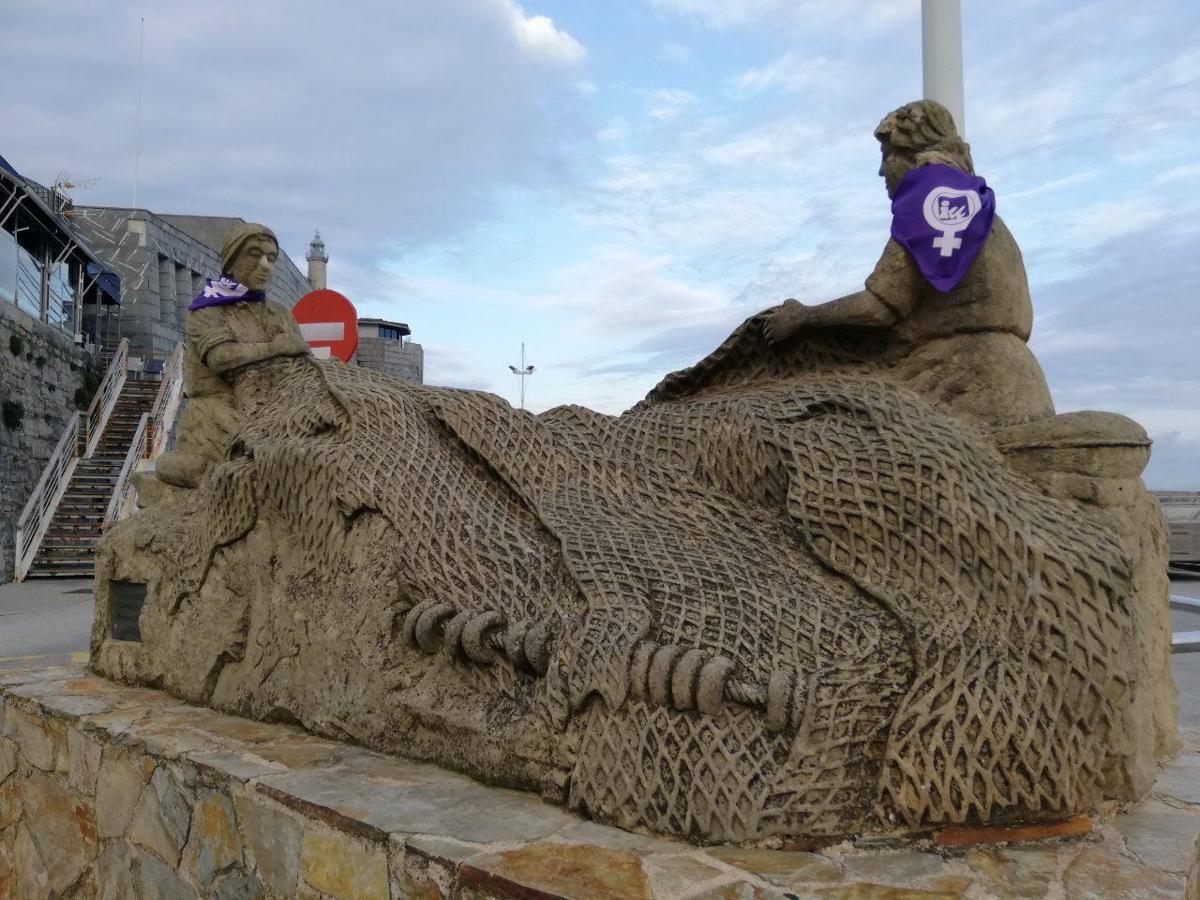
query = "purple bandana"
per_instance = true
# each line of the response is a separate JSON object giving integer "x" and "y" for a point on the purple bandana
{"x": 942, "y": 216}
{"x": 222, "y": 291}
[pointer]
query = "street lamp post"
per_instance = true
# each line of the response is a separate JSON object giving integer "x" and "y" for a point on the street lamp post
{"x": 941, "y": 56}
{"x": 522, "y": 372}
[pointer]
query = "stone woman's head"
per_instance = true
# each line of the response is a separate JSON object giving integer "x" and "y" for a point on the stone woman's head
{"x": 248, "y": 255}
{"x": 919, "y": 134}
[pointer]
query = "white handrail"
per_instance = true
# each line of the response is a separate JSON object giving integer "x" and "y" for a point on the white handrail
{"x": 106, "y": 397}
{"x": 122, "y": 497}
{"x": 166, "y": 404}
{"x": 36, "y": 516}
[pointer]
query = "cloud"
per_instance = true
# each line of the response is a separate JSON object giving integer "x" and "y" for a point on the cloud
{"x": 451, "y": 369}
{"x": 796, "y": 73}
{"x": 675, "y": 53}
{"x": 667, "y": 103}
{"x": 617, "y": 287}
{"x": 1102, "y": 222}
{"x": 386, "y": 128}
{"x": 538, "y": 36}
{"x": 725, "y": 13}
{"x": 1189, "y": 173}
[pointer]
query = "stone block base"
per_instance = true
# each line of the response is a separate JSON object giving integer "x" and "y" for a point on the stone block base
{"x": 108, "y": 791}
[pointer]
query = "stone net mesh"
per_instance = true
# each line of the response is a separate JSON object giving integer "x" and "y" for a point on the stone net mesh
{"x": 956, "y": 641}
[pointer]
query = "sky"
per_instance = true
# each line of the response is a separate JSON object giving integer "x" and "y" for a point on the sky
{"x": 617, "y": 184}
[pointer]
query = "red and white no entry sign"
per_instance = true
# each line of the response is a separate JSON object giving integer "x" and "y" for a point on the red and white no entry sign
{"x": 329, "y": 323}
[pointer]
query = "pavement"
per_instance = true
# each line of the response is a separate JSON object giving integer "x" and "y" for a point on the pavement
{"x": 45, "y": 622}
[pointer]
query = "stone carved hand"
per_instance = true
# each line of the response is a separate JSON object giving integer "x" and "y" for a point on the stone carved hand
{"x": 290, "y": 344}
{"x": 784, "y": 321}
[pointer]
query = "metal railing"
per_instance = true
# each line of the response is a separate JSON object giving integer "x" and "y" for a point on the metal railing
{"x": 166, "y": 404}
{"x": 106, "y": 397}
{"x": 35, "y": 518}
{"x": 121, "y": 503}
{"x": 39, "y": 510}
{"x": 1185, "y": 641}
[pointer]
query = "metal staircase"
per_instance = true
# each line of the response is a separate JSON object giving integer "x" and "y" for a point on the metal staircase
{"x": 69, "y": 545}
{"x": 86, "y": 484}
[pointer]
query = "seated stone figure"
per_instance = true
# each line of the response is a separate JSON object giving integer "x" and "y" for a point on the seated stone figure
{"x": 964, "y": 348}
{"x": 787, "y": 595}
{"x": 231, "y": 324}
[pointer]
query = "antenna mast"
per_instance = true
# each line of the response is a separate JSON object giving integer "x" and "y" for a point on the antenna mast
{"x": 137, "y": 147}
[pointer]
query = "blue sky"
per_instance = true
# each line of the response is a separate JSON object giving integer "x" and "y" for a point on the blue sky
{"x": 619, "y": 183}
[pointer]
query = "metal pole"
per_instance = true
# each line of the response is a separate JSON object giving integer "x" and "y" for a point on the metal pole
{"x": 137, "y": 147}
{"x": 941, "y": 56}
{"x": 523, "y": 372}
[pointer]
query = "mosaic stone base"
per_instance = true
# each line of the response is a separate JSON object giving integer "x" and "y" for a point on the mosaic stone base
{"x": 108, "y": 791}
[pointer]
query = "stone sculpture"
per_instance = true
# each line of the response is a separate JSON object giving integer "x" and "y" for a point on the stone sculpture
{"x": 798, "y": 591}
{"x": 229, "y": 326}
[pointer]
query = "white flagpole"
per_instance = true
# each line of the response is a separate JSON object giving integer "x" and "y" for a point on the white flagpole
{"x": 941, "y": 56}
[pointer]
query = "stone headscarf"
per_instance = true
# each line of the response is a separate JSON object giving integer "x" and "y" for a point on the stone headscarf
{"x": 925, "y": 130}
{"x": 237, "y": 237}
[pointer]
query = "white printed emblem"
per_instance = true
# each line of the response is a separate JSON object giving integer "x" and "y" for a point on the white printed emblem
{"x": 950, "y": 211}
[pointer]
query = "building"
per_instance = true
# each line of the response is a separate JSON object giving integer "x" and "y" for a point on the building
{"x": 1181, "y": 509}
{"x": 384, "y": 346}
{"x": 51, "y": 287}
{"x": 46, "y": 270}
{"x": 163, "y": 261}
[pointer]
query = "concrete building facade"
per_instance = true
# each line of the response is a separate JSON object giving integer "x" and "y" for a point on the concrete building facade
{"x": 163, "y": 261}
{"x": 384, "y": 346}
{"x": 51, "y": 286}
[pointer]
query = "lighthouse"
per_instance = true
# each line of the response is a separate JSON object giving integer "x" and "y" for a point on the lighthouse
{"x": 317, "y": 258}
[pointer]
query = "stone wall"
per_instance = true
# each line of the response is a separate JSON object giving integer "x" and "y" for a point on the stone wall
{"x": 41, "y": 370}
{"x": 116, "y": 792}
{"x": 403, "y": 361}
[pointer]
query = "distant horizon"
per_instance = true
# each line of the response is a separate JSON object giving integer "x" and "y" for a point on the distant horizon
{"x": 620, "y": 186}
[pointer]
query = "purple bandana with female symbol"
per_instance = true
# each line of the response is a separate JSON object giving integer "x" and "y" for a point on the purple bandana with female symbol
{"x": 942, "y": 217}
{"x": 222, "y": 291}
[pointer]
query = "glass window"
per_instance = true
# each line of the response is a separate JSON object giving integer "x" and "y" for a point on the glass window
{"x": 8, "y": 267}
{"x": 61, "y": 310}
{"x": 29, "y": 284}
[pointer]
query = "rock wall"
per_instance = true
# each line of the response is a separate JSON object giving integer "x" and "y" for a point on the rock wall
{"x": 125, "y": 793}
{"x": 41, "y": 371}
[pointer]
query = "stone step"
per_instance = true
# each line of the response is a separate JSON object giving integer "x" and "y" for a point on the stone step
{"x": 82, "y": 543}
{"x": 62, "y": 571}
{"x": 56, "y": 558}
{"x": 75, "y": 528}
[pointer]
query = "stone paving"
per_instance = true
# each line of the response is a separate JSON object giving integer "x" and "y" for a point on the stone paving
{"x": 115, "y": 792}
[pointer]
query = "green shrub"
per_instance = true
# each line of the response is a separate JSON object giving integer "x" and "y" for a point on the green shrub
{"x": 15, "y": 345}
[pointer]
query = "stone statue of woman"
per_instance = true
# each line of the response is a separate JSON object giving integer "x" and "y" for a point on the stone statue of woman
{"x": 230, "y": 325}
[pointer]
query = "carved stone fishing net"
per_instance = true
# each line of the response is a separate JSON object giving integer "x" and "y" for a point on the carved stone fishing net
{"x": 801, "y": 606}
